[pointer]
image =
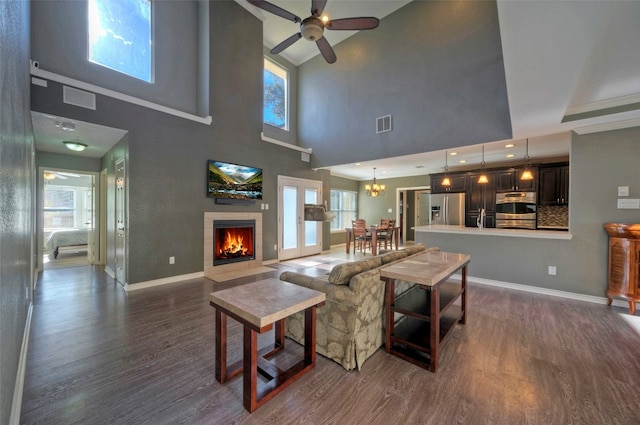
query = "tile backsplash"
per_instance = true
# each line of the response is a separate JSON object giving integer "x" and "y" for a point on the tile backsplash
{"x": 556, "y": 216}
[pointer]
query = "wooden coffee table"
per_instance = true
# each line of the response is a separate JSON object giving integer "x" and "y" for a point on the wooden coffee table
{"x": 258, "y": 306}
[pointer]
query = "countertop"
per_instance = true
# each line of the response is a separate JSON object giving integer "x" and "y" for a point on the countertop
{"x": 516, "y": 233}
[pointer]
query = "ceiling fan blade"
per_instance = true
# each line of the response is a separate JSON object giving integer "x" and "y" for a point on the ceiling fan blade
{"x": 317, "y": 7}
{"x": 276, "y": 10}
{"x": 367, "y": 23}
{"x": 325, "y": 49}
{"x": 288, "y": 42}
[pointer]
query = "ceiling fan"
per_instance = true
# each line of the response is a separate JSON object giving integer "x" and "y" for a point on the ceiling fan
{"x": 312, "y": 28}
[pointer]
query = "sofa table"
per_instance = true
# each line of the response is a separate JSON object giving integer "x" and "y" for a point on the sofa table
{"x": 258, "y": 306}
{"x": 428, "y": 310}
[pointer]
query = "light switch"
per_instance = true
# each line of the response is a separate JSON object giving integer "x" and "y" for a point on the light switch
{"x": 628, "y": 204}
{"x": 390, "y": 210}
{"x": 623, "y": 190}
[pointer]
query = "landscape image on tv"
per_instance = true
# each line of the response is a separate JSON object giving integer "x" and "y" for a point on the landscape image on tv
{"x": 234, "y": 181}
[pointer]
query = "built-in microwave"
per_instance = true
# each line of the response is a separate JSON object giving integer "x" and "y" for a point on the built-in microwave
{"x": 516, "y": 210}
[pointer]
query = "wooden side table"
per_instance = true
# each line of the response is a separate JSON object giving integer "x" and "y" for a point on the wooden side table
{"x": 258, "y": 306}
{"x": 429, "y": 309}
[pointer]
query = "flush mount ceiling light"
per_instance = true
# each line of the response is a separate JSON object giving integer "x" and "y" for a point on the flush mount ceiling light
{"x": 374, "y": 190}
{"x": 75, "y": 146}
{"x": 483, "y": 177}
{"x": 526, "y": 174}
{"x": 446, "y": 181}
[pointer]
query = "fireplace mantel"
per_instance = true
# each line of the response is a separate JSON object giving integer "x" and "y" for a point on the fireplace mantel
{"x": 210, "y": 271}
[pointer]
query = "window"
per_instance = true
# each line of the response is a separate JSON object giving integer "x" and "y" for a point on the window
{"x": 343, "y": 202}
{"x": 275, "y": 112}
{"x": 59, "y": 208}
{"x": 120, "y": 36}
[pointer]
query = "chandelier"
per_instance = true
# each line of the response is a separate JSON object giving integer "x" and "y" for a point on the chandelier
{"x": 374, "y": 190}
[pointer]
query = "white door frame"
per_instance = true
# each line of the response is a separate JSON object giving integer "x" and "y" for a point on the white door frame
{"x": 40, "y": 208}
{"x": 302, "y": 249}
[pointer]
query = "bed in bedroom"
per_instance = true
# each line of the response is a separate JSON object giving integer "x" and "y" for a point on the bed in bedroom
{"x": 63, "y": 238}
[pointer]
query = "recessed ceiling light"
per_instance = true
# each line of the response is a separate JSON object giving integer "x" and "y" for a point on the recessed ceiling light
{"x": 357, "y": 163}
{"x": 75, "y": 146}
{"x": 453, "y": 153}
{"x": 509, "y": 145}
{"x": 463, "y": 161}
{"x": 511, "y": 155}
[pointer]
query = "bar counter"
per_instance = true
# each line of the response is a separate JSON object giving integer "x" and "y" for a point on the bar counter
{"x": 515, "y": 233}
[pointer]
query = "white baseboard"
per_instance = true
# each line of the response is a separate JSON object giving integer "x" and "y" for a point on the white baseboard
{"x": 109, "y": 272}
{"x": 546, "y": 291}
{"x": 163, "y": 281}
{"x": 16, "y": 405}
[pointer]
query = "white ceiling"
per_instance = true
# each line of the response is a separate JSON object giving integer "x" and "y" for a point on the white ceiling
{"x": 50, "y": 131}
{"x": 560, "y": 57}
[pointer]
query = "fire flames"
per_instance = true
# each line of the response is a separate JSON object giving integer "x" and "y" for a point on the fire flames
{"x": 235, "y": 243}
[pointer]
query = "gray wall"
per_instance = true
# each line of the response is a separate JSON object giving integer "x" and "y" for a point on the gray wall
{"x": 16, "y": 194}
{"x": 59, "y": 43}
{"x": 599, "y": 164}
{"x": 436, "y": 66}
{"x": 167, "y": 155}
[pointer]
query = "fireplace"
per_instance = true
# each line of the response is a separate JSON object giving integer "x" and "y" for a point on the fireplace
{"x": 233, "y": 241}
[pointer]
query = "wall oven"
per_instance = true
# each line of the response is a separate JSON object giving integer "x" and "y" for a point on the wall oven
{"x": 516, "y": 210}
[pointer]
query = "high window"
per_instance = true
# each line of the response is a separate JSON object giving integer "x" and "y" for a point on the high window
{"x": 276, "y": 82}
{"x": 120, "y": 36}
{"x": 343, "y": 202}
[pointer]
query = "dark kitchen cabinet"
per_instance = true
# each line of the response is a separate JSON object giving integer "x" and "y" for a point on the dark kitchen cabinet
{"x": 481, "y": 196}
{"x": 508, "y": 180}
{"x": 458, "y": 183}
{"x": 554, "y": 185}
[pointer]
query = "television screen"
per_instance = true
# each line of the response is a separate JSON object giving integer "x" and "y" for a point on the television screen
{"x": 233, "y": 181}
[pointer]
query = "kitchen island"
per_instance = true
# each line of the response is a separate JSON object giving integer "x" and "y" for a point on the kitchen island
{"x": 475, "y": 231}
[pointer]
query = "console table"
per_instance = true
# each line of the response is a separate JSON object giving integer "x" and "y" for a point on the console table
{"x": 258, "y": 306}
{"x": 429, "y": 309}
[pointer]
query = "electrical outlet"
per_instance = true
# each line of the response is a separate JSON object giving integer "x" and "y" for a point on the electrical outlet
{"x": 623, "y": 190}
{"x": 172, "y": 260}
{"x": 390, "y": 210}
{"x": 552, "y": 270}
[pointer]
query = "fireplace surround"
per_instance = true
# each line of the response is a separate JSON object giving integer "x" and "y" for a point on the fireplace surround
{"x": 211, "y": 269}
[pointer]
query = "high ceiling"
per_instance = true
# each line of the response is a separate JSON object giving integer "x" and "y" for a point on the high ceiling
{"x": 569, "y": 65}
{"x": 575, "y": 61}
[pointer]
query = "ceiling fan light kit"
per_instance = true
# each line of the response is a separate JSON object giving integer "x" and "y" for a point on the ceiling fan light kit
{"x": 312, "y": 28}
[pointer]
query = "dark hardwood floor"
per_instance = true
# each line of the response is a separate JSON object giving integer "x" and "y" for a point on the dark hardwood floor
{"x": 98, "y": 355}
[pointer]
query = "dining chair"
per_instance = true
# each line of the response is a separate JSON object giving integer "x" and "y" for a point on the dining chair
{"x": 385, "y": 232}
{"x": 360, "y": 235}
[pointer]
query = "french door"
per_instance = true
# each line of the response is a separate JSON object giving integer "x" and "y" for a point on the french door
{"x": 296, "y": 237}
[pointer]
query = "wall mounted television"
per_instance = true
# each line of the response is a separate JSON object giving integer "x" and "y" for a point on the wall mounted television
{"x": 233, "y": 181}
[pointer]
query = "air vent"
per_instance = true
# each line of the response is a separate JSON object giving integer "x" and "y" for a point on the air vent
{"x": 383, "y": 124}
{"x": 81, "y": 98}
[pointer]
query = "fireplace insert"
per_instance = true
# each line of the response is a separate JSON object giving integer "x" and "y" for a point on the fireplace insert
{"x": 233, "y": 241}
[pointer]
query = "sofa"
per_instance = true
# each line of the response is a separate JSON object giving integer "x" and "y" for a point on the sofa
{"x": 350, "y": 326}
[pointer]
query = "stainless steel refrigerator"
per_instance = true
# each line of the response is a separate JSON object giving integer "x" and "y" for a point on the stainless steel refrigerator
{"x": 447, "y": 208}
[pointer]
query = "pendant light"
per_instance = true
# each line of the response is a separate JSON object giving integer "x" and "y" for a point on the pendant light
{"x": 374, "y": 190}
{"x": 483, "y": 177}
{"x": 526, "y": 174}
{"x": 446, "y": 181}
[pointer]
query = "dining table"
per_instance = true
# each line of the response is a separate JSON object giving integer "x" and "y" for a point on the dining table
{"x": 373, "y": 231}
